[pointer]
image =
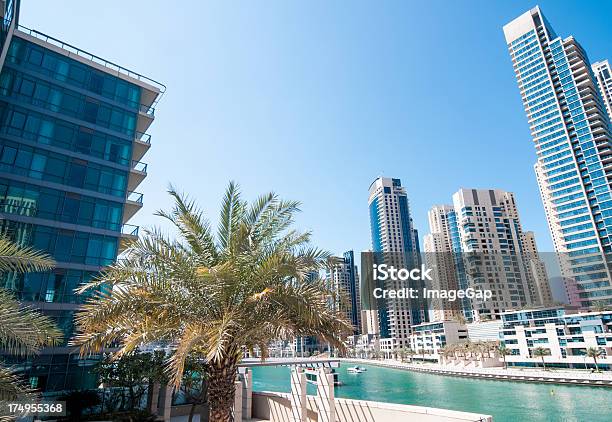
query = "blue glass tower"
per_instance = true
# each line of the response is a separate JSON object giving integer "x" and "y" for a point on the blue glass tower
{"x": 395, "y": 241}
{"x": 72, "y": 136}
{"x": 572, "y": 135}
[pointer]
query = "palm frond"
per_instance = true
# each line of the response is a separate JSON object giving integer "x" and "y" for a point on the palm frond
{"x": 14, "y": 257}
{"x": 24, "y": 330}
{"x": 11, "y": 386}
{"x": 232, "y": 212}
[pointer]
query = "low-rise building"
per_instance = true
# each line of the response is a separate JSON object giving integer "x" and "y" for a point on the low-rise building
{"x": 563, "y": 332}
{"x": 428, "y": 338}
{"x": 484, "y": 330}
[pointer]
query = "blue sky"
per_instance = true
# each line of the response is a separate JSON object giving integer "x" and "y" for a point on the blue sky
{"x": 315, "y": 99}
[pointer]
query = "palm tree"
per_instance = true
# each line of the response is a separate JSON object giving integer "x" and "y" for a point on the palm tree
{"x": 594, "y": 352}
{"x": 23, "y": 330}
{"x": 541, "y": 352}
{"x": 410, "y": 352}
{"x": 504, "y": 351}
{"x": 253, "y": 282}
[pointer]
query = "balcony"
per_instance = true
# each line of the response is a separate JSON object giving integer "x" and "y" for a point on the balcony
{"x": 129, "y": 234}
{"x": 133, "y": 204}
{"x": 111, "y": 67}
{"x": 142, "y": 143}
{"x": 138, "y": 172}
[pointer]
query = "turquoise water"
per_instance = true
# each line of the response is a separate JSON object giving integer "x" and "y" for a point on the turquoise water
{"x": 506, "y": 401}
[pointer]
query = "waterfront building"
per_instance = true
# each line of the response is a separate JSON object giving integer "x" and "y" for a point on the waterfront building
{"x": 539, "y": 282}
{"x": 478, "y": 242}
{"x": 343, "y": 278}
{"x": 72, "y": 136}
{"x": 395, "y": 241}
{"x": 571, "y": 133}
{"x": 428, "y": 338}
{"x": 484, "y": 330}
{"x": 439, "y": 256}
{"x": 565, "y": 333}
{"x": 603, "y": 75}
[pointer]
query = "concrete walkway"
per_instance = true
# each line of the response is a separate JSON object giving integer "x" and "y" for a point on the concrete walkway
{"x": 554, "y": 376}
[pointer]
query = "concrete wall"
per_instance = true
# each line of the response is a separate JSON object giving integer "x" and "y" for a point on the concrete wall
{"x": 276, "y": 407}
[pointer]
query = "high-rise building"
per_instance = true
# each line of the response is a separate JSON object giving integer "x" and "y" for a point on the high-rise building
{"x": 571, "y": 132}
{"x": 395, "y": 240}
{"x": 478, "y": 242}
{"x": 539, "y": 285}
{"x": 343, "y": 278}
{"x": 439, "y": 256}
{"x": 72, "y": 136}
{"x": 603, "y": 75}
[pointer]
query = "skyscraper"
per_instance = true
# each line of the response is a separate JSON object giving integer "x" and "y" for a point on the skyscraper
{"x": 539, "y": 286}
{"x": 603, "y": 75}
{"x": 478, "y": 242}
{"x": 72, "y": 134}
{"x": 571, "y": 132}
{"x": 394, "y": 238}
{"x": 439, "y": 256}
{"x": 344, "y": 278}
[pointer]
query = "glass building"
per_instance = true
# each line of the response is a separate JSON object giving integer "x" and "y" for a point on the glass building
{"x": 72, "y": 136}
{"x": 572, "y": 136}
{"x": 395, "y": 242}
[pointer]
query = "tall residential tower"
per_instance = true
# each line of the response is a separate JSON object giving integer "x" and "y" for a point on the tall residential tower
{"x": 343, "y": 278}
{"x": 395, "y": 240}
{"x": 72, "y": 136}
{"x": 478, "y": 242}
{"x": 571, "y": 132}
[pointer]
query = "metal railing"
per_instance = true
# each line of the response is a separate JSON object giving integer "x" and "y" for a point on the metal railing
{"x": 139, "y": 166}
{"x": 142, "y": 108}
{"x": 134, "y": 196}
{"x": 92, "y": 57}
{"x": 130, "y": 229}
{"x": 143, "y": 137}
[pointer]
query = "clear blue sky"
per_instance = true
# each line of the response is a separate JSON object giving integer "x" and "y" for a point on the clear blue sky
{"x": 314, "y": 99}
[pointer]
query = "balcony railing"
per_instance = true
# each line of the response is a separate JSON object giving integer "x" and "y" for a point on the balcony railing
{"x": 145, "y": 138}
{"x": 92, "y": 57}
{"x": 139, "y": 166}
{"x": 149, "y": 110}
{"x": 130, "y": 230}
{"x": 134, "y": 197}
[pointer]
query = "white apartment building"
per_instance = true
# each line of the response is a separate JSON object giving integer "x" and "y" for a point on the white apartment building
{"x": 484, "y": 330}
{"x": 565, "y": 333}
{"x": 428, "y": 338}
{"x": 490, "y": 234}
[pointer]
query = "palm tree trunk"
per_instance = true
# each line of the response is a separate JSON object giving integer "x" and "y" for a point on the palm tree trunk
{"x": 221, "y": 377}
{"x": 595, "y": 361}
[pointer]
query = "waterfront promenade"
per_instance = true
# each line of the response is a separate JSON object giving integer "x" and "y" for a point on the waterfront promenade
{"x": 552, "y": 376}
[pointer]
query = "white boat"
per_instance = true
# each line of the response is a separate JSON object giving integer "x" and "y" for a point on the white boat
{"x": 355, "y": 370}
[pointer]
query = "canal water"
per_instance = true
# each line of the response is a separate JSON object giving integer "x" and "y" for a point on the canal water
{"x": 506, "y": 401}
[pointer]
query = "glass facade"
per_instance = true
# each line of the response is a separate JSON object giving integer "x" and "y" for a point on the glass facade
{"x": 67, "y": 133}
{"x": 572, "y": 136}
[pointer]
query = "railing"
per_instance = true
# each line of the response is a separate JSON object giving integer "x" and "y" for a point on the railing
{"x": 139, "y": 166}
{"x": 145, "y": 138}
{"x": 142, "y": 108}
{"x": 130, "y": 229}
{"x": 134, "y": 196}
{"x": 96, "y": 59}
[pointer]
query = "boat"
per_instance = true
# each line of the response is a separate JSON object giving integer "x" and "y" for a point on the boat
{"x": 355, "y": 370}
